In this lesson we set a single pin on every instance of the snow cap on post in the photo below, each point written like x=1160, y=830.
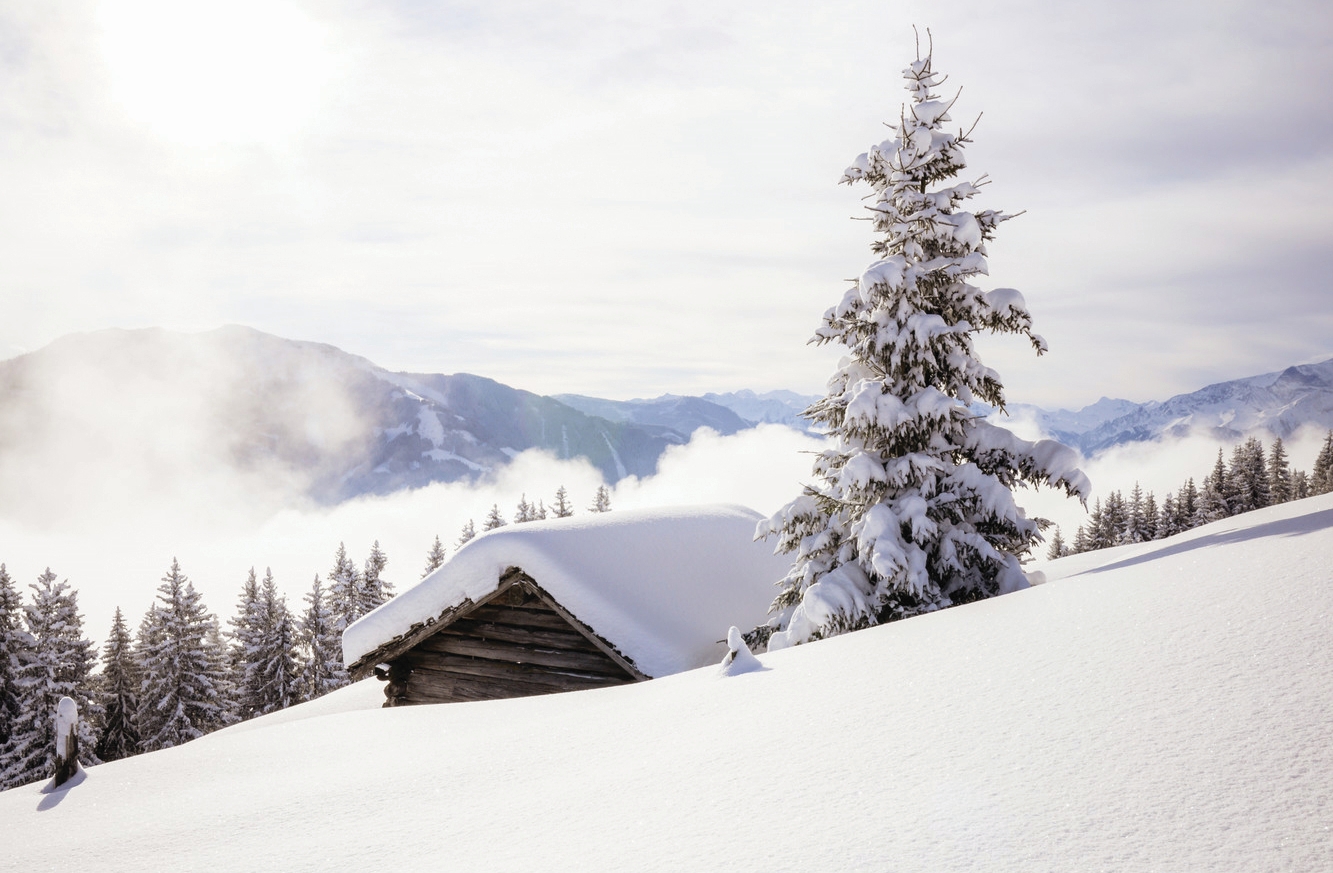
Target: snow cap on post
x=738, y=659
x=67, y=742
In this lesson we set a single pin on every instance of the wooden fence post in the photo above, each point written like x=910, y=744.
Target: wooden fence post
x=67, y=741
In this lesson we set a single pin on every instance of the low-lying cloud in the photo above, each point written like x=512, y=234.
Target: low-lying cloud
x=119, y=560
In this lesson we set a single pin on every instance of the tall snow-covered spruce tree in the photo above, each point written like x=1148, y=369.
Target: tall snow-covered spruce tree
x=912, y=508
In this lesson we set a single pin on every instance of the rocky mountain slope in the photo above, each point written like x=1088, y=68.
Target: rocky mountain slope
x=1276, y=404
x=330, y=425
x=333, y=424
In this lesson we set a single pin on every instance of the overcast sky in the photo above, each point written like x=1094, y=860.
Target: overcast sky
x=629, y=199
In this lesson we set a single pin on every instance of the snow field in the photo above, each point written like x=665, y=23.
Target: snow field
x=1162, y=706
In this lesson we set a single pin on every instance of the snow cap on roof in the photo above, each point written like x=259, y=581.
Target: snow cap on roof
x=660, y=585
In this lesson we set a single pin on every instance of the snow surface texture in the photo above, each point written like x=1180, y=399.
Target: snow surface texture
x=661, y=585
x=1162, y=706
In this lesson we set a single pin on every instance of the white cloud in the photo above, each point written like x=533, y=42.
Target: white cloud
x=115, y=552
x=649, y=193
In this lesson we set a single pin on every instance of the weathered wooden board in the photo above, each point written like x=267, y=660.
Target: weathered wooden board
x=521, y=636
x=517, y=654
x=459, y=664
x=514, y=643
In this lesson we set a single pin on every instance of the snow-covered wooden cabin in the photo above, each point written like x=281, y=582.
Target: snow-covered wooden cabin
x=569, y=604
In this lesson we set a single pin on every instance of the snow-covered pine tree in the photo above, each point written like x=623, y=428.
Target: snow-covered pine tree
x=493, y=519
x=1300, y=485
x=374, y=588
x=344, y=594
x=1247, y=478
x=1097, y=530
x=469, y=533
x=601, y=502
x=1212, y=503
x=14, y=641
x=182, y=696
x=539, y=511
x=913, y=509
x=1150, y=516
x=1166, y=518
x=1187, y=505
x=247, y=634
x=323, y=670
x=1279, y=472
x=1115, y=515
x=1321, y=474
x=118, y=688
x=524, y=511
x=218, y=656
x=1134, y=517
x=434, y=558
x=275, y=659
x=562, y=508
x=1081, y=542
x=1057, y=548
x=59, y=664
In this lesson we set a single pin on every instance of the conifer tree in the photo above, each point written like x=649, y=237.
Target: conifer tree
x=1097, y=538
x=1149, y=523
x=1212, y=504
x=912, y=508
x=58, y=664
x=601, y=502
x=118, y=686
x=494, y=519
x=1279, y=473
x=469, y=533
x=323, y=670
x=539, y=511
x=247, y=635
x=1300, y=485
x=1187, y=505
x=1115, y=515
x=344, y=594
x=1057, y=548
x=1166, y=518
x=1247, y=478
x=14, y=644
x=524, y=513
x=1134, y=517
x=374, y=588
x=275, y=660
x=562, y=508
x=1321, y=474
x=183, y=692
x=434, y=558
x=218, y=657
x=1081, y=543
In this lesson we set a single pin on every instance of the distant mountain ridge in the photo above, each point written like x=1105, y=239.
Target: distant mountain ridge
x=237, y=398
x=724, y=413
x=116, y=404
x=1277, y=404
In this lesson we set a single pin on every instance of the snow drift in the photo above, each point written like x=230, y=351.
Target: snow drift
x=1159, y=706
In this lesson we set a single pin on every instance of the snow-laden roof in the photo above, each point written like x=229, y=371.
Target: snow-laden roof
x=660, y=585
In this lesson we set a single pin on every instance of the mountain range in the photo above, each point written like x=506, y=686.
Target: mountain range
x=1276, y=404
x=309, y=412
x=339, y=426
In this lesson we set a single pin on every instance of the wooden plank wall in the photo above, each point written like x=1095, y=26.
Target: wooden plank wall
x=512, y=646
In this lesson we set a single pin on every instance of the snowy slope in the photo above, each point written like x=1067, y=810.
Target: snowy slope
x=1160, y=707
